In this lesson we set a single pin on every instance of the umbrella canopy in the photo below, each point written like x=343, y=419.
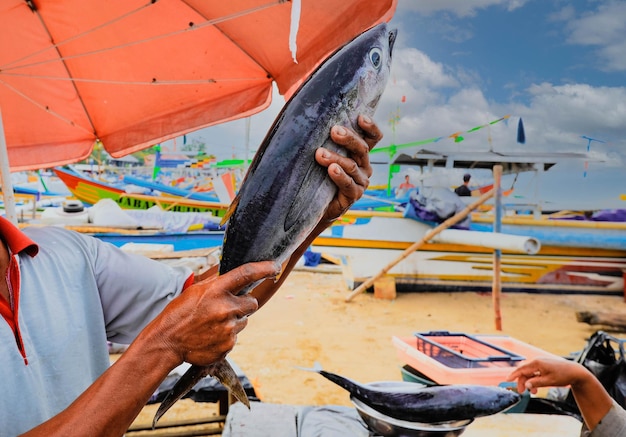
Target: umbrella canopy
x=134, y=73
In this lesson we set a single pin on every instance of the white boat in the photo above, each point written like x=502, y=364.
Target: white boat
x=573, y=256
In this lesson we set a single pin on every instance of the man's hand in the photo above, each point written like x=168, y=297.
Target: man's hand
x=351, y=173
x=201, y=325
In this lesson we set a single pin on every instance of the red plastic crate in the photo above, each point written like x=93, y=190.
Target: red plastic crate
x=459, y=350
x=490, y=373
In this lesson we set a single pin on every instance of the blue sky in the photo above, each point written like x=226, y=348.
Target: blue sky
x=559, y=65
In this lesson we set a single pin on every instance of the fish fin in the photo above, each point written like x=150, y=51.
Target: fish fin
x=230, y=210
x=180, y=389
x=225, y=374
x=222, y=371
x=317, y=367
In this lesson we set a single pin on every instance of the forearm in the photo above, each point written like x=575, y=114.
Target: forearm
x=592, y=399
x=111, y=403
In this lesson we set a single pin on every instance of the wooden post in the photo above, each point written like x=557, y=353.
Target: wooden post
x=413, y=247
x=497, y=253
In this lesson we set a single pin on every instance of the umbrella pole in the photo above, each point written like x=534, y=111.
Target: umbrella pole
x=5, y=172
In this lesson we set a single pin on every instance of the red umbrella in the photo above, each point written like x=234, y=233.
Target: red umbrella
x=134, y=73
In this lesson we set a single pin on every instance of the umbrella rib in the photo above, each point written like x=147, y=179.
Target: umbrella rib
x=192, y=27
x=129, y=82
x=46, y=108
x=72, y=38
x=82, y=104
x=241, y=14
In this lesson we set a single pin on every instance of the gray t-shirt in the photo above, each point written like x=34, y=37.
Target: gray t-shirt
x=611, y=425
x=76, y=293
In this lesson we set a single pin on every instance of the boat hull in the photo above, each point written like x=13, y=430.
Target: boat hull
x=368, y=242
x=90, y=192
x=179, y=241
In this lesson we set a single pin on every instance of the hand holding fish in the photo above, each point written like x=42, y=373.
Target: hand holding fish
x=351, y=174
x=201, y=325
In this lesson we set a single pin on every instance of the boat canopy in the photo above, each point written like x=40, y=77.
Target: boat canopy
x=510, y=162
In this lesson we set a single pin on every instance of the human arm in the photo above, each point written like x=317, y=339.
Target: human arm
x=351, y=175
x=592, y=399
x=199, y=327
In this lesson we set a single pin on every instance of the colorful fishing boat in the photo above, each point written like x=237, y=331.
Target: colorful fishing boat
x=157, y=239
x=575, y=256
x=90, y=191
x=369, y=241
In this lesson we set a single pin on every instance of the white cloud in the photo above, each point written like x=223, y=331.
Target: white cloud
x=581, y=109
x=566, y=13
x=604, y=28
x=460, y=8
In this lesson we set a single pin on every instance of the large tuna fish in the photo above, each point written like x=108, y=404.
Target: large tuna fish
x=286, y=192
x=435, y=404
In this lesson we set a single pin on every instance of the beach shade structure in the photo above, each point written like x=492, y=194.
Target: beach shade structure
x=134, y=73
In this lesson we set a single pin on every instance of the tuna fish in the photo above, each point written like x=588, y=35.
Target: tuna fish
x=286, y=192
x=435, y=404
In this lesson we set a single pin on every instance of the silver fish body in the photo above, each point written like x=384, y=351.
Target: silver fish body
x=435, y=404
x=286, y=192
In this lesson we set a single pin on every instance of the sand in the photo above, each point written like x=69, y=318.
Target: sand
x=308, y=321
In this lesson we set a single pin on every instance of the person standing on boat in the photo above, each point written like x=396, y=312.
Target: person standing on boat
x=404, y=187
x=602, y=415
x=463, y=190
x=65, y=294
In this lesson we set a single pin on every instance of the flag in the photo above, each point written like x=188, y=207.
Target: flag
x=521, y=136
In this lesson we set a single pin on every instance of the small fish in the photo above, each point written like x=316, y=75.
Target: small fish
x=434, y=404
x=286, y=192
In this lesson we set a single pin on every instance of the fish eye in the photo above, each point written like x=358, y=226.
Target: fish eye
x=376, y=57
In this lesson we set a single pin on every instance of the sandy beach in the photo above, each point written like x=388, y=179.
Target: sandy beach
x=308, y=321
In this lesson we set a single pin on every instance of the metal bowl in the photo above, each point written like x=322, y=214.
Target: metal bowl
x=390, y=427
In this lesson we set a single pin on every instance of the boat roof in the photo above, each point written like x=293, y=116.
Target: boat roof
x=511, y=162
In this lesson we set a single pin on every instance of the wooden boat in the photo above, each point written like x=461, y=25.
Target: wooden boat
x=90, y=191
x=177, y=241
x=369, y=241
x=171, y=191
x=575, y=256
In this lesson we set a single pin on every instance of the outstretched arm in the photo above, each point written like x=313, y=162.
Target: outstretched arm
x=592, y=399
x=199, y=327
x=351, y=175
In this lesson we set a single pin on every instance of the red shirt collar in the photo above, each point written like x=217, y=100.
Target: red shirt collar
x=15, y=239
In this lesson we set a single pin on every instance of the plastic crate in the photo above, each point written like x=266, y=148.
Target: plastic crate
x=494, y=373
x=459, y=350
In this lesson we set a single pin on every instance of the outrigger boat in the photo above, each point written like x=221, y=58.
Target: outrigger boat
x=575, y=256
x=90, y=191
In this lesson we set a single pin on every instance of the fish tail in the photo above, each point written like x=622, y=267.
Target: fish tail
x=225, y=374
x=180, y=389
x=221, y=370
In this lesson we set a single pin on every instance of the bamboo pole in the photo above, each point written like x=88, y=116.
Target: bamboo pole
x=430, y=234
x=496, y=288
